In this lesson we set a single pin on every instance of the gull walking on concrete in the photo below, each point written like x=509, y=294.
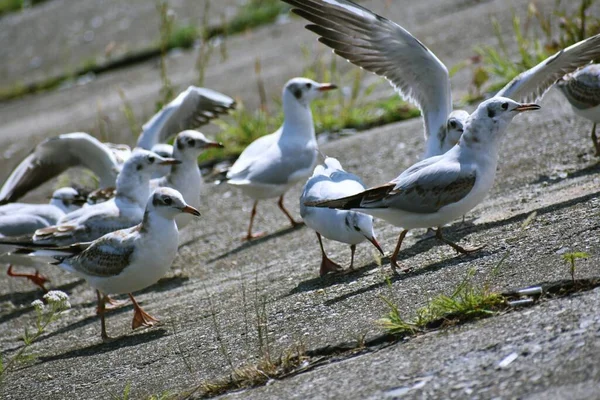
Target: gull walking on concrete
x=439, y=189
x=272, y=164
x=330, y=182
x=127, y=260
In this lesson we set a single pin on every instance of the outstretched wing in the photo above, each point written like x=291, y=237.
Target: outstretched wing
x=55, y=155
x=386, y=49
x=532, y=84
x=193, y=108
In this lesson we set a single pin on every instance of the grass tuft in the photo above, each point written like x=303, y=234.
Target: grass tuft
x=467, y=302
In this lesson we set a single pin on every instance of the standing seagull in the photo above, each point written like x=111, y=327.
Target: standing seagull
x=582, y=90
x=273, y=163
x=386, y=49
x=437, y=190
x=330, y=182
x=186, y=177
x=128, y=260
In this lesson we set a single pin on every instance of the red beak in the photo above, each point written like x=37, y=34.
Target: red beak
x=327, y=86
x=377, y=246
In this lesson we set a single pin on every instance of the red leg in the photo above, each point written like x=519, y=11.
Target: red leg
x=327, y=265
x=250, y=235
x=286, y=212
x=101, y=311
x=394, y=259
x=36, y=278
x=140, y=317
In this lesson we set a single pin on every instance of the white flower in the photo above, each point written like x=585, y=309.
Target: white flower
x=38, y=305
x=57, y=298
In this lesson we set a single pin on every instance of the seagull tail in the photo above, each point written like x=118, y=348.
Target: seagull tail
x=367, y=199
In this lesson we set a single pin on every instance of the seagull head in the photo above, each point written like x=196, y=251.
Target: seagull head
x=491, y=118
x=455, y=127
x=191, y=143
x=146, y=162
x=169, y=203
x=363, y=225
x=67, y=199
x=304, y=90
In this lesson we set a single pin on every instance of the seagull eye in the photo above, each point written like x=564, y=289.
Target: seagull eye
x=308, y=85
x=191, y=142
x=167, y=200
x=505, y=106
x=151, y=159
x=453, y=124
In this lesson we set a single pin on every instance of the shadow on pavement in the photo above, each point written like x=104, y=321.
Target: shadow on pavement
x=255, y=242
x=116, y=344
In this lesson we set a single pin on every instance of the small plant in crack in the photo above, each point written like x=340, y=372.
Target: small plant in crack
x=47, y=311
x=571, y=260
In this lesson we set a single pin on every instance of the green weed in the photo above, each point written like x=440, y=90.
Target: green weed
x=537, y=37
x=571, y=259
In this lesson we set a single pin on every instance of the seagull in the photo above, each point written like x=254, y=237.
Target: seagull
x=582, y=90
x=192, y=108
x=383, y=47
x=21, y=218
x=271, y=164
x=330, y=182
x=127, y=260
x=439, y=189
x=186, y=177
x=89, y=223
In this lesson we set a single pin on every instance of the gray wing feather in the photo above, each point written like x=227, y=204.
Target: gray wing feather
x=105, y=257
x=191, y=109
x=55, y=155
x=532, y=84
x=386, y=49
x=428, y=189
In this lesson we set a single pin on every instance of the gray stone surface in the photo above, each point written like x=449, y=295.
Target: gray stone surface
x=546, y=166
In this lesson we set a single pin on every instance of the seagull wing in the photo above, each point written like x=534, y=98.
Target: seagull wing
x=55, y=155
x=386, y=49
x=105, y=257
x=532, y=84
x=193, y=108
x=240, y=168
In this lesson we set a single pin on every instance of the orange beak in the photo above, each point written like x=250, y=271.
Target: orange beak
x=326, y=87
x=190, y=210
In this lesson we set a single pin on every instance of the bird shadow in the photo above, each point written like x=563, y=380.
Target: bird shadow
x=25, y=299
x=116, y=343
x=255, y=242
x=420, y=246
x=589, y=170
x=401, y=276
